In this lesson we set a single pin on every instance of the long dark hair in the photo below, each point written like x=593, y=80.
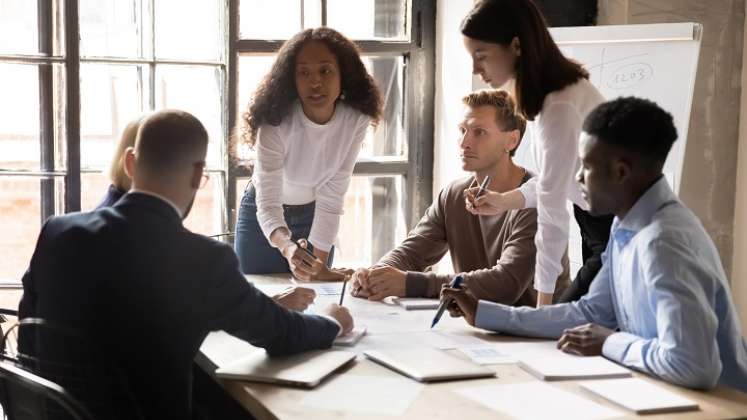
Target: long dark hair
x=541, y=68
x=277, y=92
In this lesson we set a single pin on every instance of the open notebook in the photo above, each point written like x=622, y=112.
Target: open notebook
x=639, y=396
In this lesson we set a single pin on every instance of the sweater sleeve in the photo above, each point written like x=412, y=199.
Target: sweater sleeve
x=330, y=195
x=268, y=180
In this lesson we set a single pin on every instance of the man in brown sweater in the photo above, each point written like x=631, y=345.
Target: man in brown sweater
x=494, y=254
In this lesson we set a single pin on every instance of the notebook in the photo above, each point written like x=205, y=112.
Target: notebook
x=639, y=396
x=305, y=370
x=428, y=365
x=559, y=366
x=412, y=304
x=351, y=338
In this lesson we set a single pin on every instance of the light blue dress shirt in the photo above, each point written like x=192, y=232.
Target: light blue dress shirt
x=663, y=286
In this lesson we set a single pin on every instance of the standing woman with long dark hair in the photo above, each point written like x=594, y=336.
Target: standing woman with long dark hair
x=508, y=41
x=307, y=121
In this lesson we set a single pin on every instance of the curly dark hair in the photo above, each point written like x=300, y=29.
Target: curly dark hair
x=277, y=92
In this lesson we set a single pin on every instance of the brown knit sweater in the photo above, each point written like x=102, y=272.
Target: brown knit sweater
x=494, y=254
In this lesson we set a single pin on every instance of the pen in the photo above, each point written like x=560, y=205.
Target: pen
x=483, y=186
x=342, y=295
x=311, y=254
x=455, y=284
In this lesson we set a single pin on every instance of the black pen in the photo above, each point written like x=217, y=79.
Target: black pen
x=483, y=186
x=342, y=295
x=311, y=254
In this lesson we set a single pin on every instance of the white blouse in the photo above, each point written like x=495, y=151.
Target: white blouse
x=300, y=161
x=555, y=140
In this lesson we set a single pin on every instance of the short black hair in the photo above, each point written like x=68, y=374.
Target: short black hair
x=634, y=124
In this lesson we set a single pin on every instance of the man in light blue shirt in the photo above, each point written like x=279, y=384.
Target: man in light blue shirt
x=661, y=303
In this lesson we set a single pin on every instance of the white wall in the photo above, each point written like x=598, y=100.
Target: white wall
x=453, y=81
x=739, y=272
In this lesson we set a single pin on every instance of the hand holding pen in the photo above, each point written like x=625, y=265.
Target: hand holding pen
x=455, y=284
x=460, y=302
x=302, y=262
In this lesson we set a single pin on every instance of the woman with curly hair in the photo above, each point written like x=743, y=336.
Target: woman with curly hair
x=306, y=122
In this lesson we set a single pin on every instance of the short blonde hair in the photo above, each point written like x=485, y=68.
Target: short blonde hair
x=116, y=169
x=508, y=117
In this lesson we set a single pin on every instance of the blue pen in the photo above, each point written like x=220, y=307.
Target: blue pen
x=455, y=284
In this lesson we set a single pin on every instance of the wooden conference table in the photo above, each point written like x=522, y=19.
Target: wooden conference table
x=366, y=390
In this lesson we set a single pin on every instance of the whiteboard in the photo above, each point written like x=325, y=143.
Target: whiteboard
x=655, y=61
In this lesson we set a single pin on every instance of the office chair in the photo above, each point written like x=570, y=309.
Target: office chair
x=25, y=396
x=65, y=356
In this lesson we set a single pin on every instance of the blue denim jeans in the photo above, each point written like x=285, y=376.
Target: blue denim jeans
x=256, y=255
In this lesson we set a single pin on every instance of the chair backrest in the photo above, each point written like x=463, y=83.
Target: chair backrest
x=25, y=396
x=8, y=318
x=66, y=357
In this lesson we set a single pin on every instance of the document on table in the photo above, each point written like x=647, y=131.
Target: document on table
x=351, y=338
x=442, y=340
x=487, y=354
x=367, y=395
x=321, y=289
x=536, y=401
x=639, y=396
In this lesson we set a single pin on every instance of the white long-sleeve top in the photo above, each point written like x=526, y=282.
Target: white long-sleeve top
x=300, y=161
x=555, y=140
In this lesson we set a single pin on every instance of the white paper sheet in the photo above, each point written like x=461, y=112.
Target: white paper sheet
x=487, y=355
x=361, y=394
x=536, y=401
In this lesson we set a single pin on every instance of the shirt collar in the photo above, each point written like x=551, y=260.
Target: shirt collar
x=160, y=197
x=640, y=215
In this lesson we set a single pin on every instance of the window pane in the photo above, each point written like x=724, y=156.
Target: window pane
x=93, y=188
x=388, y=139
x=269, y=19
x=19, y=131
x=18, y=27
x=189, y=29
x=369, y=19
x=20, y=222
x=251, y=71
x=373, y=222
x=111, y=97
x=207, y=210
x=195, y=89
x=113, y=28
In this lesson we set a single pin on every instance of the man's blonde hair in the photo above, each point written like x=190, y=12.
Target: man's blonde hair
x=116, y=170
x=508, y=117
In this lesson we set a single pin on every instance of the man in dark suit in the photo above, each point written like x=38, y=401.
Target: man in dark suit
x=147, y=290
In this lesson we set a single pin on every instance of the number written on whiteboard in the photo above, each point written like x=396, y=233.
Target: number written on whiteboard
x=630, y=75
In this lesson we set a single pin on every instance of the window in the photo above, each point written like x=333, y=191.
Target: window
x=391, y=186
x=73, y=73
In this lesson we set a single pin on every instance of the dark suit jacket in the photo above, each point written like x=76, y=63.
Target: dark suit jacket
x=113, y=194
x=148, y=291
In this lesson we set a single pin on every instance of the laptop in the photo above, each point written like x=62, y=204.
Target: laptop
x=305, y=370
x=429, y=365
